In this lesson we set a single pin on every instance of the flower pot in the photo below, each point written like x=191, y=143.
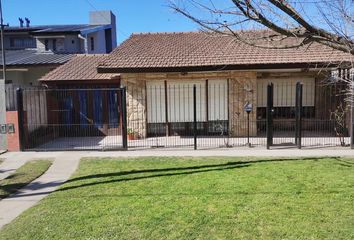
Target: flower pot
x=130, y=136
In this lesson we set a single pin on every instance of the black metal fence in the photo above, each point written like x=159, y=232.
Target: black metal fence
x=221, y=121
x=195, y=115
x=72, y=119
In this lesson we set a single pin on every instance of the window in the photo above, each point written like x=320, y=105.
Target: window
x=92, y=41
x=22, y=43
x=54, y=45
x=12, y=42
x=46, y=45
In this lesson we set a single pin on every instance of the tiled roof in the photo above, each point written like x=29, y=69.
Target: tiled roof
x=32, y=57
x=149, y=51
x=80, y=67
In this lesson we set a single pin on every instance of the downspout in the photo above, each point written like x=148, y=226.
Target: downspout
x=85, y=42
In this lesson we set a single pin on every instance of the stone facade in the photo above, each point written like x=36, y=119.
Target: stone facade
x=136, y=103
x=242, y=89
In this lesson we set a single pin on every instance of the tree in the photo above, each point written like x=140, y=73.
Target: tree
x=328, y=22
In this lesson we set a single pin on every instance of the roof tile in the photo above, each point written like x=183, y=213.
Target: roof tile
x=80, y=67
x=193, y=49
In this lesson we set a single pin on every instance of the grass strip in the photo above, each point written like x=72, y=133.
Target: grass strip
x=23, y=176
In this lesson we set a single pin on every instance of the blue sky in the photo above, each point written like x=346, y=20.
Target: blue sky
x=132, y=15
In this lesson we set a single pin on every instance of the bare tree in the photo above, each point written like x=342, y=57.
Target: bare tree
x=325, y=22
x=328, y=22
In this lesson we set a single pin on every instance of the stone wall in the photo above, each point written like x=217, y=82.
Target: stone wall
x=136, y=103
x=242, y=89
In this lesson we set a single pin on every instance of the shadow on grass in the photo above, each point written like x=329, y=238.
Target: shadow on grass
x=164, y=172
x=123, y=173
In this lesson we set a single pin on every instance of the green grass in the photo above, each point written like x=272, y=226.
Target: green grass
x=23, y=176
x=197, y=198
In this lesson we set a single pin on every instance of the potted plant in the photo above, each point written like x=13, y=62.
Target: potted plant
x=131, y=134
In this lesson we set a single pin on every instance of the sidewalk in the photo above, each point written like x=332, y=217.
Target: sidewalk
x=62, y=168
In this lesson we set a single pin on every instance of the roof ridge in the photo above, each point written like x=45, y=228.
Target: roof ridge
x=91, y=55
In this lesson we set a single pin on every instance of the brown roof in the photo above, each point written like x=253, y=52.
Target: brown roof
x=80, y=67
x=198, y=50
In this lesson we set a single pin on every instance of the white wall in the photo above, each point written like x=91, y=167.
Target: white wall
x=99, y=42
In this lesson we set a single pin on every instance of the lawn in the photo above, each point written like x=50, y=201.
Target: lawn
x=197, y=198
x=23, y=176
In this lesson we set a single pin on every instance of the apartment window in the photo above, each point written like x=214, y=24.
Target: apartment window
x=46, y=44
x=92, y=40
x=54, y=45
x=22, y=43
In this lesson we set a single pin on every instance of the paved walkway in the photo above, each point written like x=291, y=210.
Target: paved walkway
x=65, y=164
x=62, y=168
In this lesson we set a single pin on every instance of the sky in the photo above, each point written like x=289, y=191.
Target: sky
x=133, y=16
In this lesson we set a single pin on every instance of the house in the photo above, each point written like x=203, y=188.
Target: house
x=159, y=71
x=228, y=74
x=32, y=51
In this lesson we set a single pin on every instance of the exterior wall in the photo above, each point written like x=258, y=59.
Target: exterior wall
x=3, y=145
x=27, y=76
x=136, y=103
x=99, y=42
x=238, y=82
x=13, y=139
x=72, y=44
x=105, y=18
x=242, y=89
x=68, y=44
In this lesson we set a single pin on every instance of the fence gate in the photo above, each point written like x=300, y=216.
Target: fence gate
x=286, y=131
x=72, y=119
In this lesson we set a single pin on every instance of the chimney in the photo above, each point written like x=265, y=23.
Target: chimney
x=27, y=22
x=21, y=22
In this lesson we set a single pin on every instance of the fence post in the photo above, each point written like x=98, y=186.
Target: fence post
x=269, y=123
x=20, y=115
x=298, y=130
x=124, y=118
x=195, y=116
x=352, y=115
x=352, y=124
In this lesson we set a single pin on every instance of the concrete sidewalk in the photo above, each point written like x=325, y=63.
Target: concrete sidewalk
x=62, y=168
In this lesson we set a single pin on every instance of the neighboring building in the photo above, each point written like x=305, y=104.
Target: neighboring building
x=32, y=51
x=159, y=71
x=98, y=36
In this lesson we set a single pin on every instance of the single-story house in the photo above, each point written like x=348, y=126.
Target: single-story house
x=159, y=71
x=227, y=72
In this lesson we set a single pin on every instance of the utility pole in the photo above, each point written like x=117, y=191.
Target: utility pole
x=3, y=145
x=3, y=43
